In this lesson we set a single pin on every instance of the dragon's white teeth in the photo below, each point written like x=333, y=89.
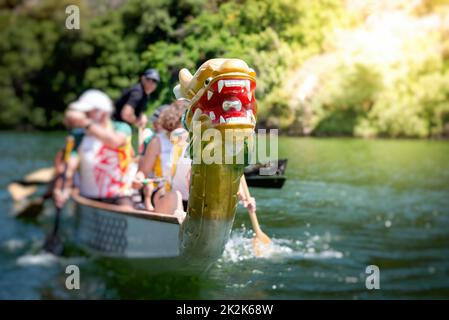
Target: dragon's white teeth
x=197, y=114
x=235, y=83
x=248, y=86
x=222, y=120
x=237, y=120
x=250, y=116
x=253, y=118
x=212, y=115
x=209, y=94
x=248, y=89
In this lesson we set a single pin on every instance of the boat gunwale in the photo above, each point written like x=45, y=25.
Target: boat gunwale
x=140, y=214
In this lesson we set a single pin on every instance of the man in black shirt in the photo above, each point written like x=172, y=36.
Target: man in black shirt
x=131, y=106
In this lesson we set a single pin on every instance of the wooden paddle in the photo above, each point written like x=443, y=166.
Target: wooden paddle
x=53, y=243
x=40, y=176
x=29, y=209
x=24, y=188
x=261, y=239
x=19, y=192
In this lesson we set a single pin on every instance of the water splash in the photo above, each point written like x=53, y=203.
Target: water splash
x=13, y=245
x=40, y=259
x=240, y=248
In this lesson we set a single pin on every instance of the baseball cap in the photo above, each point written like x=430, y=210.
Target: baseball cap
x=92, y=99
x=152, y=74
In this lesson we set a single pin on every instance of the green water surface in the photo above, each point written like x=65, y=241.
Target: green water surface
x=347, y=204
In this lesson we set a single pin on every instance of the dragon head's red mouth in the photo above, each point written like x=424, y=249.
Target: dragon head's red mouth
x=227, y=102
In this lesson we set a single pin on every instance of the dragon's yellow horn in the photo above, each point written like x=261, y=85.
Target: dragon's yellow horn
x=184, y=79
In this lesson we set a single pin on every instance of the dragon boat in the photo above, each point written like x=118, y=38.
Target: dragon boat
x=220, y=96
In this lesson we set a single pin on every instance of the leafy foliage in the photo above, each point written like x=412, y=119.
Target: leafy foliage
x=44, y=66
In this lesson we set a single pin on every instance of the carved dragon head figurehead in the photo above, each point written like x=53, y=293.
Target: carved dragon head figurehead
x=221, y=94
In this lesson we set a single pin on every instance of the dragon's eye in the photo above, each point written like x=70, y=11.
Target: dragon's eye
x=207, y=81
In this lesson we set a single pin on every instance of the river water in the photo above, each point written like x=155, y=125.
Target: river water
x=347, y=204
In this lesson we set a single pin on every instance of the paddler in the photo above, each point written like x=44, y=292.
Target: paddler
x=131, y=106
x=104, y=153
x=155, y=169
x=165, y=158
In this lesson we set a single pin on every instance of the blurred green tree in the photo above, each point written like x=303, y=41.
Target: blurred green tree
x=44, y=66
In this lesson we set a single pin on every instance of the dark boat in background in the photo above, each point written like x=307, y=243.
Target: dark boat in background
x=276, y=181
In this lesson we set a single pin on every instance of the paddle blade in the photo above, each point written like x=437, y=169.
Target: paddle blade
x=19, y=192
x=53, y=244
x=44, y=175
x=260, y=243
x=30, y=209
